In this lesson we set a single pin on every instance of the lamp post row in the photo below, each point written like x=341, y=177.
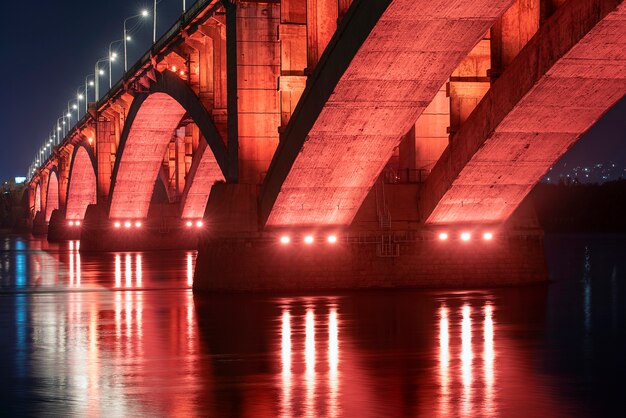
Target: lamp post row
x=62, y=127
x=55, y=138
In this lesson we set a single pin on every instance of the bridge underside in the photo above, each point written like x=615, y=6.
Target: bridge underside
x=204, y=173
x=82, y=186
x=142, y=155
x=52, y=195
x=567, y=76
x=360, y=103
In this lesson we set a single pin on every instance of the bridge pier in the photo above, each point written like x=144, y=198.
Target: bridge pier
x=59, y=228
x=234, y=254
x=40, y=226
x=160, y=231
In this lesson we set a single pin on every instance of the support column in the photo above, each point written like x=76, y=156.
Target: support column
x=106, y=148
x=293, y=56
x=321, y=25
x=514, y=29
x=257, y=71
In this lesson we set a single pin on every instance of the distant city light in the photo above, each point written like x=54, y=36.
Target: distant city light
x=20, y=180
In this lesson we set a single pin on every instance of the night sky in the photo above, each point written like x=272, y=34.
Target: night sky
x=48, y=47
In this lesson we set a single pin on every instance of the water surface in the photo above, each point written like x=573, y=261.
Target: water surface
x=121, y=334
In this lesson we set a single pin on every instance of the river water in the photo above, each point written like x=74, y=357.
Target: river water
x=121, y=334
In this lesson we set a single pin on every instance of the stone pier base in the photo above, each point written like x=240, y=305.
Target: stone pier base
x=59, y=228
x=40, y=226
x=406, y=260
x=98, y=233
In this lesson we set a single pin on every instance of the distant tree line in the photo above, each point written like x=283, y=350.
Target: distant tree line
x=13, y=211
x=575, y=206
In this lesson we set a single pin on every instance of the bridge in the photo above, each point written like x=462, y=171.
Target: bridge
x=338, y=143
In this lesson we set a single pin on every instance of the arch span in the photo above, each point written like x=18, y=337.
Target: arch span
x=82, y=182
x=151, y=121
x=204, y=172
x=52, y=193
x=37, y=204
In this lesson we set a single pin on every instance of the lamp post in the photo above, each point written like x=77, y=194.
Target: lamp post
x=154, y=15
x=79, y=97
x=70, y=107
x=98, y=72
x=126, y=36
x=88, y=83
x=60, y=128
x=112, y=57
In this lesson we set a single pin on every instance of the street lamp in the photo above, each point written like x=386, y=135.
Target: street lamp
x=112, y=57
x=79, y=97
x=88, y=83
x=70, y=107
x=98, y=72
x=60, y=128
x=126, y=36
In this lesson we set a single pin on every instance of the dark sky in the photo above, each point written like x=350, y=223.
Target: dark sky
x=48, y=47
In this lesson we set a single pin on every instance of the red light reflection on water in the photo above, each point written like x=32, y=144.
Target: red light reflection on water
x=313, y=385
x=468, y=392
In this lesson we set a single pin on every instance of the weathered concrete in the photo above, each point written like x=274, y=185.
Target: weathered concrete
x=568, y=75
x=263, y=264
x=204, y=172
x=143, y=152
x=382, y=68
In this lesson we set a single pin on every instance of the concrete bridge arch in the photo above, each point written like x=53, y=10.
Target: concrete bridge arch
x=82, y=181
x=37, y=200
x=52, y=193
x=152, y=118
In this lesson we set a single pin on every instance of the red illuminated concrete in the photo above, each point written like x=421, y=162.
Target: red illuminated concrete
x=568, y=75
x=37, y=206
x=202, y=175
x=82, y=185
x=52, y=194
x=264, y=264
x=142, y=155
x=380, y=71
